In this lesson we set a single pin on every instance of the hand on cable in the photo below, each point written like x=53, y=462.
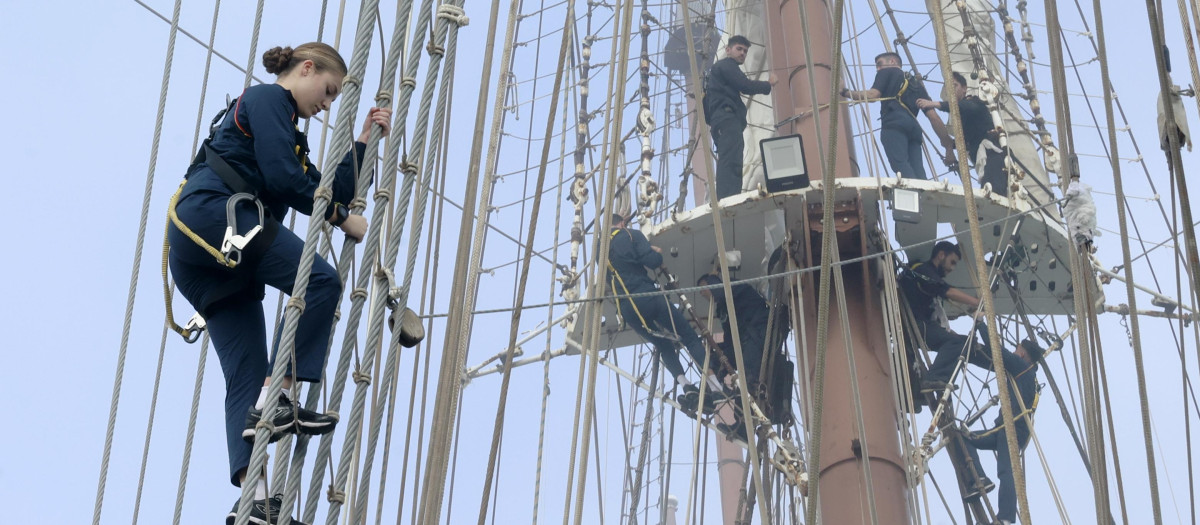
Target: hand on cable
x=355, y=227
x=380, y=116
x=925, y=103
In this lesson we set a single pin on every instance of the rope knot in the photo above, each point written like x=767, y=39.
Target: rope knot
x=297, y=303
x=335, y=496
x=323, y=193
x=358, y=203
x=359, y=293
x=409, y=82
x=265, y=424
x=453, y=14
x=384, y=97
x=409, y=168
x=383, y=193
x=353, y=80
x=361, y=379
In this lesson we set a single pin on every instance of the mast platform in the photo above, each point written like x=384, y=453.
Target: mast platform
x=1031, y=243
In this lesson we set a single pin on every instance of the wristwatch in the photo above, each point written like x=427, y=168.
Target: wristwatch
x=340, y=214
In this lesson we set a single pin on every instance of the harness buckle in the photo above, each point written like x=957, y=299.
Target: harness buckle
x=233, y=244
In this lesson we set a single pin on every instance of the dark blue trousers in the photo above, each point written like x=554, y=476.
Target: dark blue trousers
x=901, y=137
x=660, y=315
x=1006, y=502
x=949, y=346
x=728, y=135
x=237, y=324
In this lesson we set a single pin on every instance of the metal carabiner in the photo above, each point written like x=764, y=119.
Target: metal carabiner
x=193, y=328
x=233, y=244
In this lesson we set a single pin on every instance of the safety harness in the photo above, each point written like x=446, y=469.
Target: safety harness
x=615, y=279
x=236, y=249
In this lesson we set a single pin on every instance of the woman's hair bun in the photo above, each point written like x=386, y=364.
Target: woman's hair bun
x=276, y=59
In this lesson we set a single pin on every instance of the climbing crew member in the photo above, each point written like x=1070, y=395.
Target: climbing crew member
x=1022, y=367
x=924, y=286
x=899, y=130
x=979, y=133
x=752, y=315
x=726, y=113
x=258, y=153
x=653, y=317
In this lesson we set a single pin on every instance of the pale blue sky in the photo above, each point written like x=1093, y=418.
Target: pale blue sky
x=82, y=86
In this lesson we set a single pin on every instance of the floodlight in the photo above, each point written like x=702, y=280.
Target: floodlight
x=906, y=205
x=783, y=163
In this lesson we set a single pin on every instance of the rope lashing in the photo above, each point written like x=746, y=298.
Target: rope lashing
x=335, y=496
x=409, y=167
x=384, y=97
x=454, y=14
x=323, y=193
x=361, y=378
x=408, y=82
x=297, y=303
x=359, y=293
x=383, y=194
x=352, y=80
x=358, y=203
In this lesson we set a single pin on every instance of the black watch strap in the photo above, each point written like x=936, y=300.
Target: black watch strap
x=340, y=214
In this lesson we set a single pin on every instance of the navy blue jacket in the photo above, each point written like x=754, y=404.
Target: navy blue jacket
x=976, y=122
x=922, y=284
x=1025, y=376
x=261, y=141
x=629, y=253
x=752, y=311
x=724, y=87
x=889, y=81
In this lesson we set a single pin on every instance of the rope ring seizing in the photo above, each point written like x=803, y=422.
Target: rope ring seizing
x=297, y=303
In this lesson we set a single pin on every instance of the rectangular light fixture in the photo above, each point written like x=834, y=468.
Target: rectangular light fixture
x=906, y=205
x=784, y=167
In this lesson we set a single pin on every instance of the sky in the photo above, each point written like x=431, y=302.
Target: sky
x=83, y=84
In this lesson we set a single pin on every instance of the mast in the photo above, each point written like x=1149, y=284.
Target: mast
x=802, y=55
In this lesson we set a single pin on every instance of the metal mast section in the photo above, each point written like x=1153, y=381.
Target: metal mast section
x=853, y=475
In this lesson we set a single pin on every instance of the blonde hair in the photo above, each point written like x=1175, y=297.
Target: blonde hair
x=280, y=60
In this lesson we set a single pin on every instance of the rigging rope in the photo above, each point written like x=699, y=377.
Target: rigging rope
x=135, y=271
x=321, y=201
x=525, y=265
x=981, y=271
x=457, y=325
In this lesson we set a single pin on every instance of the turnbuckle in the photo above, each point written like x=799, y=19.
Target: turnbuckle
x=233, y=244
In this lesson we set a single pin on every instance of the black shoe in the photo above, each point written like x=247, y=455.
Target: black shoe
x=735, y=432
x=262, y=512
x=984, y=486
x=936, y=385
x=283, y=421
x=711, y=397
x=312, y=423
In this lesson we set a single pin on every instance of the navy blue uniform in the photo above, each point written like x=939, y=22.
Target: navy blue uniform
x=726, y=115
x=629, y=254
x=922, y=285
x=752, y=316
x=977, y=124
x=899, y=131
x=260, y=141
x=1024, y=375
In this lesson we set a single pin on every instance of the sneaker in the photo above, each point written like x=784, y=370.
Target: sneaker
x=262, y=512
x=735, y=432
x=312, y=423
x=984, y=486
x=936, y=385
x=283, y=420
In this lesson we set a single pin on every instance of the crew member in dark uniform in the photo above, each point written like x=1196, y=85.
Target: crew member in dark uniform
x=899, y=130
x=924, y=286
x=726, y=113
x=1022, y=367
x=979, y=134
x=752, y=316
x=258, y=153
x=653, y=317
